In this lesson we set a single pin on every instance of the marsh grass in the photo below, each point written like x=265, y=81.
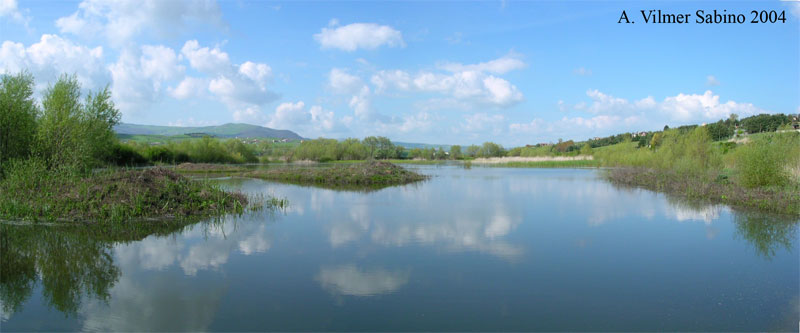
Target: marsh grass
x=781, y=200
x=30, y=192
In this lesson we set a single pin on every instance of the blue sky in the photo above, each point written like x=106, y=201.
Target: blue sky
x=437, y=72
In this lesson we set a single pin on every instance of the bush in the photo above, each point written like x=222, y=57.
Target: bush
x=124, y=155
x=766, y=161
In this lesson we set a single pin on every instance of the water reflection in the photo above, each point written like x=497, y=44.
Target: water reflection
x=767, y=233
x=350, y=280
x=67, y=263
x=494, y=248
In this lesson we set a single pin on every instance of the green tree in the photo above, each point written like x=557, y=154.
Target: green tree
x=586, y=149
x=455, y=152
x=18, y=112
x=371, y=143
x=100, y=117
x=472, y=151
x=61, y=136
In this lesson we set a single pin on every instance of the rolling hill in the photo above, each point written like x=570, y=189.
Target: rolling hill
x=224, y=131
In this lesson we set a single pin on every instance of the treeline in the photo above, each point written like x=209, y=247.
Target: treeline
x=372, y=147
x=723, y=129
x=65, y=132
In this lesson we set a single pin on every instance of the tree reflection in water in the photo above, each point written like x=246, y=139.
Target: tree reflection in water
x=767, y=233
x=69, y=263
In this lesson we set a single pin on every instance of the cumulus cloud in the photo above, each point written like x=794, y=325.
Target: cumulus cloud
x=340, y=81
x=472, y=88
x=139, y=75
x=711, y=81
x=688, y=107
x=119, y=21
x=355, y=36
x=54, y=55
x=299, y=118
x=189, y=87
x=242, y=88
x=502, y=65
x=205, y=59
x=612, y=115
x=10, y=9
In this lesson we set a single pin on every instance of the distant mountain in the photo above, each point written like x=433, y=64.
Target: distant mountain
x=225, y=131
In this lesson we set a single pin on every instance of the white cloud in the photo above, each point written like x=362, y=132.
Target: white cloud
x=204, y=59
x=10, y=9
x=795, y=8
x=258, y=73
x=711, y=81
x=289, y=114
x=473, y=88
x=420, y=121
x=52, y=56
x=358, y=36
x=606, y=103
x=242, y=88
x=189, y=87
x=391, y=79
x=707, y=107
x=535, y=126
x=611, y=115
x=344, y=83
x=295, y=116
x=139, y=74
x=500, y=65
x=322, y=117
x=119, y=21
x=481, y=122
x=462, y=86
x=362, y=104
x=582, y=71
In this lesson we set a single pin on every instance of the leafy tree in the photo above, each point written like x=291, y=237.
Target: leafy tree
x=61, y=139
x=491, y=149
x=372, y=143
x=18, y=112
x=455, y=152
x=472, y=151
x=586, y=149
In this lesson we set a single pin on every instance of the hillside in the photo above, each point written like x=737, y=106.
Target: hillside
x=224, y=131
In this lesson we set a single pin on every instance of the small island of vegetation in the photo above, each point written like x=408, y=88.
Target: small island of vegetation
x=367, y=175
x=57, y=163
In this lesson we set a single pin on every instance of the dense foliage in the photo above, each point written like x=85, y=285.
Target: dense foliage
x=49, y=152
x=64, y=133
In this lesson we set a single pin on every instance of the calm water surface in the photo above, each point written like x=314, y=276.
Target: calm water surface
x=478, y=249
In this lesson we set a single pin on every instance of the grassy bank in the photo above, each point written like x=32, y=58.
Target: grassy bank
x=781, y=200
x=32, y=193
x=364, y=175
x=763, y=173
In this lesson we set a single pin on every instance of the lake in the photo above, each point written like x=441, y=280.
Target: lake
x=480, y=249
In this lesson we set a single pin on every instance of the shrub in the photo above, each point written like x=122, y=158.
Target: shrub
x=124, y=155
x=766, y=161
